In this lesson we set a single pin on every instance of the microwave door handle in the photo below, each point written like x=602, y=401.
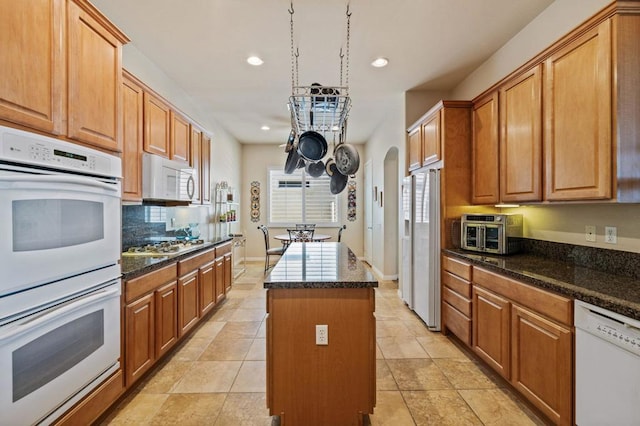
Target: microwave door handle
x=191, y=186
x=481, y=233
x=55, y=179
x=56, y=312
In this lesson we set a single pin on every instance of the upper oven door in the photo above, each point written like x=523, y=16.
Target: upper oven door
x=55, y=226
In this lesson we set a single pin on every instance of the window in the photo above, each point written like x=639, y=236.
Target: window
x=298, y=198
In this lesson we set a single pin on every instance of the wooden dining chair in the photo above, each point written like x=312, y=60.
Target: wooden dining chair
x=300, y=235
x=276, y=251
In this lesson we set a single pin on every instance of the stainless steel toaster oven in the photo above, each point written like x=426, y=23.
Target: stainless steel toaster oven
x=492, y=233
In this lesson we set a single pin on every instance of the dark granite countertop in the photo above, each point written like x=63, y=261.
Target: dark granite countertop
x=319, y=265
x=617, y=293
x=135, y=266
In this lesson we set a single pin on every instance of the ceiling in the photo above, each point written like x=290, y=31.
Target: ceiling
x=202, y=45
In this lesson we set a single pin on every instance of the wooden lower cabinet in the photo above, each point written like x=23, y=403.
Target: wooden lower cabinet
x=313, y=385
x=207, y=282
x=491, y=329
x=140, y=337
x=456, y=299
x=541, y=363
x=188, y=309
x=166, y=305
x=228, y=272
x=525, y=334
x=219, y=278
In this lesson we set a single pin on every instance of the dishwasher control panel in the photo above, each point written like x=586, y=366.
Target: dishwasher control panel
x=615, y=328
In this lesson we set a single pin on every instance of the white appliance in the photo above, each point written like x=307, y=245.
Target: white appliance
x=166, y=180
x=607, y=367
x=406, y=279
x=423, y=289
x=60, y=290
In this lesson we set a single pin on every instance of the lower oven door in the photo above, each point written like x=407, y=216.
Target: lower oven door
x=55, y=226
x=51, y=359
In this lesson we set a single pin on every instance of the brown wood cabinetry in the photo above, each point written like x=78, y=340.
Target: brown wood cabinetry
x=224, y=251
x=431, y=142
x=78, y=57
x=520, y=105
x=456, y=298
x=306, y=383
x=157, y=125
x=525, y=333
x=94, y=64
x=188, y=309
x=132, y=136
x=180, y=141
x=31, y=32
x=150, y=320
x=219, y=277
x=205, y=172
x=578, y=140
x=207, y=281
x=491, y=338
x=414, y=151
x=485, y=151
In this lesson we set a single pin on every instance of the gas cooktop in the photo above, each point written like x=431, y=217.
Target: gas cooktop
x=163, y=248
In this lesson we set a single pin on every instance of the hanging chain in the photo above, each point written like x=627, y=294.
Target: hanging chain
x=348, y=37
x=294, y=54
x=341, y=57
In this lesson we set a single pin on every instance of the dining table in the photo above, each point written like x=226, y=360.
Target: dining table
x=284, y=238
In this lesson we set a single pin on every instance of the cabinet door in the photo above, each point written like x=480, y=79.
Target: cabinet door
x=139, y=338
x=219, y=278
x=205, y=175
x=166, y=304
x=207, y=287
x=542, y=363
x=228, y=272
x=132, y=108
x=491, y=329
x=521, y=138
x=431, y=139
x=94, y=64
x=188, y=309
x=180, y=138
x=485, y=151
x=156, y=125
x=31, y=32
x=195, y=161
x=414, y=140
x=577, y=94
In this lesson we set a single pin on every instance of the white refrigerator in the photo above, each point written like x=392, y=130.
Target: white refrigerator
x=421, y=237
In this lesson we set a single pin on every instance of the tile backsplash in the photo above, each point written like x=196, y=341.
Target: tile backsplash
x=144, y=224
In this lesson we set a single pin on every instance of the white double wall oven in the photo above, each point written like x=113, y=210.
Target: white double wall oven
x=60, y=221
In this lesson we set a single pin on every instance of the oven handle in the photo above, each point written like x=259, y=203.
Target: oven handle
x=54, y=179
x=57, y=311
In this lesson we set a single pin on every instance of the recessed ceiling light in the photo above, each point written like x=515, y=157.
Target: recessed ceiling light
x=255, y=61
x=380, y=62
x=265, y=128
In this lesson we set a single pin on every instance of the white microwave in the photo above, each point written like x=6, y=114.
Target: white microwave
x=166, y=180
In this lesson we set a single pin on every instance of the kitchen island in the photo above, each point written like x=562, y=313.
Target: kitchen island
x=318, y=375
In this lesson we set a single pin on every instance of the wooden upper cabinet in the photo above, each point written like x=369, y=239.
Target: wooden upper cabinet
x=205, y=177
x=578, y=113
x=156, y=125
x=180, y=137
x=414, y=153
x=195, y=161
x=521, y=137
x=132, y=135
x=431, y=141
x=485, y=151
x=94, y=64
x=30, y=31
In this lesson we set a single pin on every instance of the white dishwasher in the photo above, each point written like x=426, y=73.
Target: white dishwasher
x=607, y=367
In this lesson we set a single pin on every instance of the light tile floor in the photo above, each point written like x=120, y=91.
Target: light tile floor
x=217, y=376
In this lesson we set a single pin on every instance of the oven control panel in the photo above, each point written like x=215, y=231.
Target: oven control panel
x=18, y=146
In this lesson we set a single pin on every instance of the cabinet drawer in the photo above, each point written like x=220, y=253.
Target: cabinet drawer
x=138, y=286
x=454, y=299
x=556, y=307
x=223, y=249
x=457, y=267
x=194, y=262
x=457, y=284
x=457, y=323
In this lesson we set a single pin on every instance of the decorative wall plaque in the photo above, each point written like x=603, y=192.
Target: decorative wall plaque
x=351, y=196
x=255, y=201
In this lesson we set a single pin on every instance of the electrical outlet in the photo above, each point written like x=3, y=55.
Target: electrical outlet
x=322, y=334
x=590, y=233
x=611, y=234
